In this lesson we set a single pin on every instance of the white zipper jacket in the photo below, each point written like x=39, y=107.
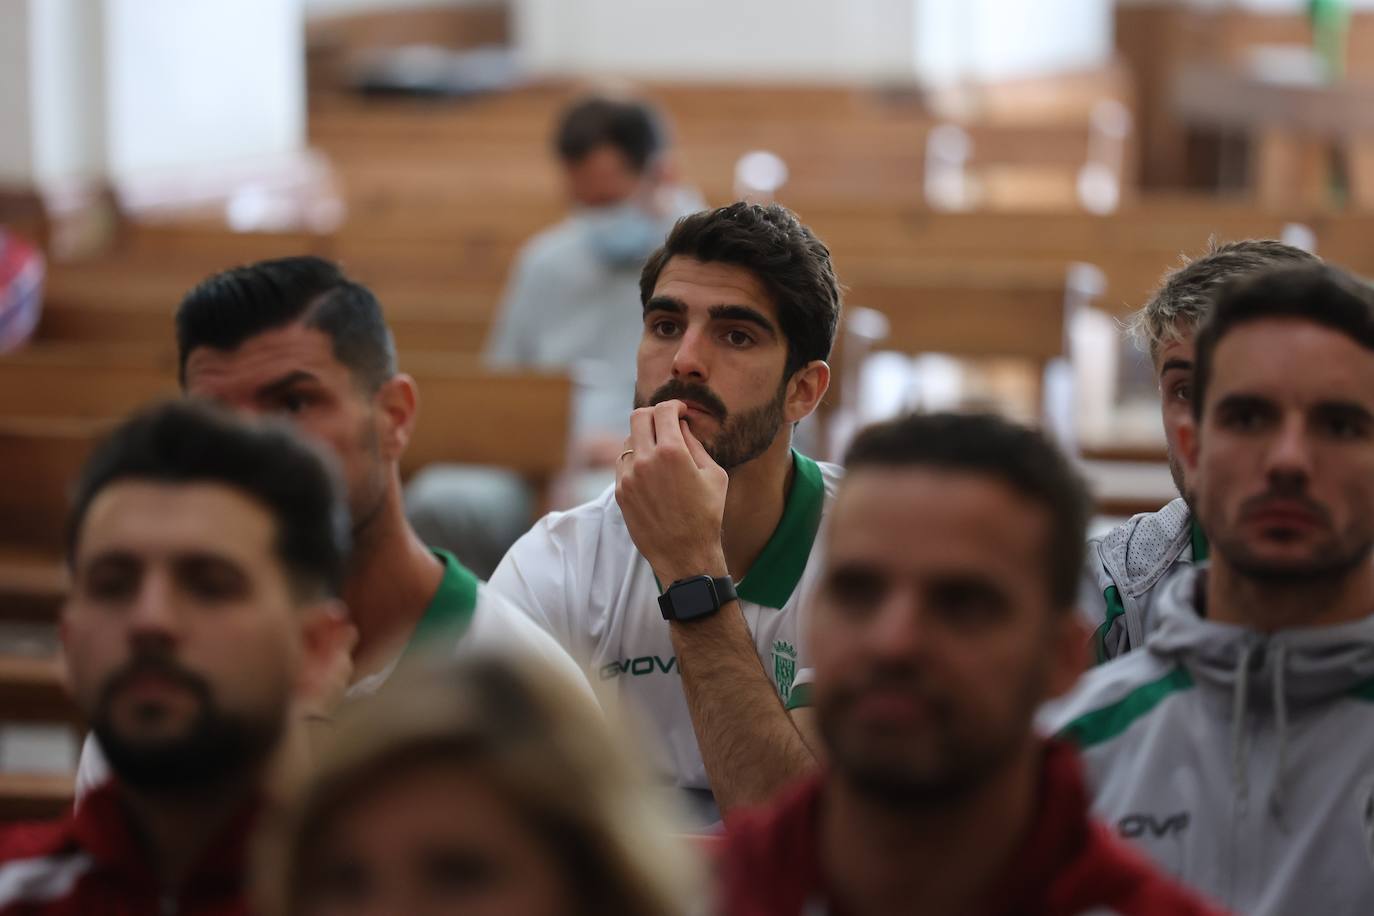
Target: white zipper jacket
x=1123, y=570
x=1243, y=763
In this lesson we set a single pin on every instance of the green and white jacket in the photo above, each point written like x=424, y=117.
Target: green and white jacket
x=1241, y=762
x=1123, y=570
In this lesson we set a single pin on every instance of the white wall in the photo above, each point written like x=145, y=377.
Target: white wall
x=815, y=40
x=16, y=139
x=340, y=7
x=717, y=39
x=66, y=40
x=189, y=84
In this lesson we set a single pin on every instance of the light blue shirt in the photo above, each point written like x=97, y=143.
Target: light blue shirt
x=566, y=309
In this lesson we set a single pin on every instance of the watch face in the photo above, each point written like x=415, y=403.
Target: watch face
x=694, y=598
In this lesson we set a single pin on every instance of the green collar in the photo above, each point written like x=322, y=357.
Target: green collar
x=450, y=611
x=779, y=568
x=1200, y=545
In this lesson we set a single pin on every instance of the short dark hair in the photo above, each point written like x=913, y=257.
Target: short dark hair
x=194, y=442
x=1185, y=295
x=985, y=444
x=633, y=127
x=230, y=307
x=771, y=243
x=1320, y=294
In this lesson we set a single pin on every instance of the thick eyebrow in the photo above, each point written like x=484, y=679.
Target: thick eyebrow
x=1176, y=363
x=1345, y=410
x=742, y=313
x=717, y=312
x=1247, y=401
x=285, y=383
x=665, y=304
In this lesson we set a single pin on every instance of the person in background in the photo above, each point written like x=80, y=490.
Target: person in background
x=1125, y=566
x=681, y=587
x=568, y=307
x=202, y=627
x=943, y=617
x=1236, y=747
x=482, y=788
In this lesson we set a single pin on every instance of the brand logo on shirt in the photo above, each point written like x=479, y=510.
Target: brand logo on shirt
x=784, y=667
x=639, y=667
x=1135, y=826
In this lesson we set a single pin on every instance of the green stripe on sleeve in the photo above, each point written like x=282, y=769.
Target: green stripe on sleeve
x=1106, y=723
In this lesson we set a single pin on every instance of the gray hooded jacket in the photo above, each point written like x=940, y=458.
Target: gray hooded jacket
x=1243, y=763
x=1123, y=569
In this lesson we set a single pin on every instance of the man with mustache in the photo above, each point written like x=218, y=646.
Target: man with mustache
x=206, y=557
x=1126, y=565
x=943, y=616
x=679, y=587
x=1236, y=747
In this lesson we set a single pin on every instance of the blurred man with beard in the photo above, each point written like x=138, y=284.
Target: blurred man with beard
x=206, y=559
x=1125, y=565
x=1236, y=747
x=943, y=617
x=679, y=587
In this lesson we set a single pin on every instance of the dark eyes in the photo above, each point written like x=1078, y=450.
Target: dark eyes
x=1182, y=392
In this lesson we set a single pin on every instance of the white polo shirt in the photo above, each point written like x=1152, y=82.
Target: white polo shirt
x=579, y=575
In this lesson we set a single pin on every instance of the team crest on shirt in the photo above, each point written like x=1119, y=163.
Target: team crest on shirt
x=784, y=667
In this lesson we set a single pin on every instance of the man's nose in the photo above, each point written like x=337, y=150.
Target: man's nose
x=691, y=362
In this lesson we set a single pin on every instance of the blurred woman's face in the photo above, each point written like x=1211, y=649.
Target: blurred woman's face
x=432, y=840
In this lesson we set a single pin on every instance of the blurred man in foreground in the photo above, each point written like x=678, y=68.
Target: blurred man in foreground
x=943, y=617
x=1236, y=747
x=1125, y=566
x=206, y=561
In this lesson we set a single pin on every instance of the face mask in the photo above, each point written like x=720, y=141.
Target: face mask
x=622, y=235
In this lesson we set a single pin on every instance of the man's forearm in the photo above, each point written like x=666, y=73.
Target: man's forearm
x=748, y=742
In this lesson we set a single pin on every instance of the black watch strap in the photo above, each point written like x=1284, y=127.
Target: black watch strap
x=696, y=597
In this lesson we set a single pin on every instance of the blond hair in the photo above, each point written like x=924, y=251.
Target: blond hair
x=541, y=743
x=1184, y=297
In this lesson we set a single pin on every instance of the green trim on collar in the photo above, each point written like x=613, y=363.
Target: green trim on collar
x=1201, y=548
x=450, y=611
x=1115, y=608
x=779, y=568
x=799, y=698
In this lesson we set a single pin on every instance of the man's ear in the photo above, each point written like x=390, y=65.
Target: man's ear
x=1071, y=649
x=397, y=403
x=805, y=389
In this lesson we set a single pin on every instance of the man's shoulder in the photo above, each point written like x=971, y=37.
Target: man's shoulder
x=498, y=627
x=1141, y=549
x=41, y=865
x=1112, y=697
x=593, y=527
x=553, y=247
x=770, y=861
x=1108, y=871
x=27, y=840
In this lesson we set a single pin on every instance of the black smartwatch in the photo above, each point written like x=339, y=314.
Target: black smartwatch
x=696, y=597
